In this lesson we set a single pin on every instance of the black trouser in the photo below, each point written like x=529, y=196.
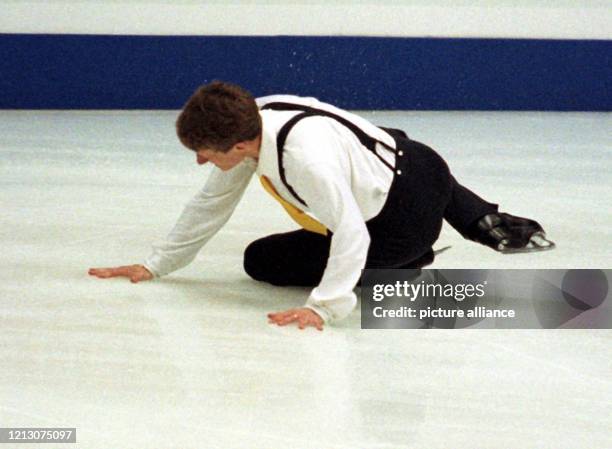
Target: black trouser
x=422, y=194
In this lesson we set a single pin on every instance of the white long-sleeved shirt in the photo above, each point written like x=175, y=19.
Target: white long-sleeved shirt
x=340, y=180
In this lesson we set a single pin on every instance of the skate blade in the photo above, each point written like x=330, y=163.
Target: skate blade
x=537, y=243
x=441, y=250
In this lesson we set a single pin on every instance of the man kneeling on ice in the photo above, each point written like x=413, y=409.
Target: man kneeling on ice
x=365, y=197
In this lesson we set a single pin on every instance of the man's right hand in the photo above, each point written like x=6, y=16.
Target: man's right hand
x=136, y=273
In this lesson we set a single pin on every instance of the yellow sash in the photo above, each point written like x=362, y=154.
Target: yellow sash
x=298, y=215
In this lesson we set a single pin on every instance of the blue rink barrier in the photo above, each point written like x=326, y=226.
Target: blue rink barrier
x=160, y=72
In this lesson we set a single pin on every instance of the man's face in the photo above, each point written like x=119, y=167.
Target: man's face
x=224, y=161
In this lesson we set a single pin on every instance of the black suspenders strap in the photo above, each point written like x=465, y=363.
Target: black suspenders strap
x=366, y=140
x=280, y=145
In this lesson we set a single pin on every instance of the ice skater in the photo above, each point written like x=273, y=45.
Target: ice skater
x=365, y=197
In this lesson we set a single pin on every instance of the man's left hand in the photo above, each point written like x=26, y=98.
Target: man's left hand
x=305, y=317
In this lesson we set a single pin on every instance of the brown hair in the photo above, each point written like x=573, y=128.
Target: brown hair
x=218, y=116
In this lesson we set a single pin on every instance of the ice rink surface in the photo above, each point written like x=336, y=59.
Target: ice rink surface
x=189, y=361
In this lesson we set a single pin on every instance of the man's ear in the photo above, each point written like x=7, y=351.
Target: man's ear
x=241, y=146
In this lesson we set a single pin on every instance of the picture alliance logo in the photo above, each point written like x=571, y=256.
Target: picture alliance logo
x=578, y=297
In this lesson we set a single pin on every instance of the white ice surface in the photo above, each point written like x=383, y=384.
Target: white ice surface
x=189, y=361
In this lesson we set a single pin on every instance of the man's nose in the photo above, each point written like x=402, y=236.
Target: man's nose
x=201, y=160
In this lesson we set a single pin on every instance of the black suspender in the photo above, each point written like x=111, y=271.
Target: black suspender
x=366, y=140
x=280, y=145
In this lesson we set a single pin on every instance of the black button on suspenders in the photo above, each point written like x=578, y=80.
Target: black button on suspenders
x=366, y=140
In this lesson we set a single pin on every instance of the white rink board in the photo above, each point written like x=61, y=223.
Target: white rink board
x=539, y=19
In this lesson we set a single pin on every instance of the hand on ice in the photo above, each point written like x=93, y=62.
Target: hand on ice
x=305, y=317
x=136, y=273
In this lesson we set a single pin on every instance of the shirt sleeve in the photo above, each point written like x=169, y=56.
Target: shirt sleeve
x=201, y=218
x=325, y=187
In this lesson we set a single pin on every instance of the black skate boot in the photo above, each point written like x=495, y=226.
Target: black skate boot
x=509, y=234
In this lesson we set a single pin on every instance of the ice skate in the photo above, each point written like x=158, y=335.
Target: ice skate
x=509, y=234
